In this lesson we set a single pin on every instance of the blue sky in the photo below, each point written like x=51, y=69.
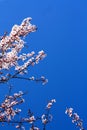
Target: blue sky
x=62, y=34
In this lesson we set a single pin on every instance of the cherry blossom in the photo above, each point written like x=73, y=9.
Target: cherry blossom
x=75, y=118
x=14, y=64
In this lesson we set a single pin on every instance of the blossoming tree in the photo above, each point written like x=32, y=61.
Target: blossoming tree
x=14, y=65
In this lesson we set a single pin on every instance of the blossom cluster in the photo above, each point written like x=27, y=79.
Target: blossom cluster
x=7, y=111
x=75, y=118
x=12, y=44
x=10, y=51
x=45, y=118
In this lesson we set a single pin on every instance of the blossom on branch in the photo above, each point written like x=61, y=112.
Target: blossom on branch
x=75, y=118
x=11, y=51
x=50, y=103
x=14, y=65
x=7, y=111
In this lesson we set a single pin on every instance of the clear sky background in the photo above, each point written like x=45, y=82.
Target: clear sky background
x=62, y=34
